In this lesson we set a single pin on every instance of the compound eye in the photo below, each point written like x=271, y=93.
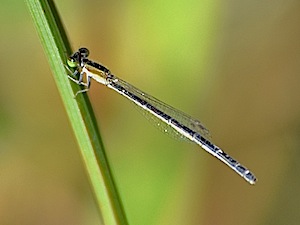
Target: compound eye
x=72, y=62
x=84, y=52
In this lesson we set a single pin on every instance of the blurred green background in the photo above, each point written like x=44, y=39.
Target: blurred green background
x=234, y=64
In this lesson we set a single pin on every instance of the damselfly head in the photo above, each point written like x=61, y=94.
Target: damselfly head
x=84, y=52
x=76, y=58
x=73, y=61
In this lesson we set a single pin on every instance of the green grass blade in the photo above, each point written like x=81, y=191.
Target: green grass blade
x=79, y=110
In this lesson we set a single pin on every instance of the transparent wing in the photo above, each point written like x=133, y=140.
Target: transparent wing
x=178, y=115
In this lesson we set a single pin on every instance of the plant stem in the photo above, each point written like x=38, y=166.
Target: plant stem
x=79, y=110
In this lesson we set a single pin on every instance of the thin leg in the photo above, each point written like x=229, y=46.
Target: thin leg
x=80, y=80
x=87, y=84
x=77, y=81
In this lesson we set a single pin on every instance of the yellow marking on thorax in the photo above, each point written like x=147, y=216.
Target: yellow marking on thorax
x=96, y=74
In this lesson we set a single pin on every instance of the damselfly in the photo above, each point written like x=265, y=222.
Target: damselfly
x=179, y=122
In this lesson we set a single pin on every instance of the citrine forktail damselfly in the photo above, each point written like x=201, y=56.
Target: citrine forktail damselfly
x=175, y=121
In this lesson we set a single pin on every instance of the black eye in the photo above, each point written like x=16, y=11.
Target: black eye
x=84, y=52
